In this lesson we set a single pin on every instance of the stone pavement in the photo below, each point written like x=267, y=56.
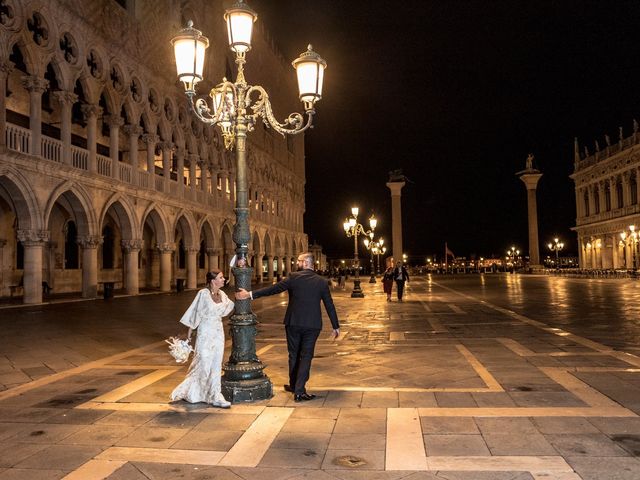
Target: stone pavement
x=446, y=385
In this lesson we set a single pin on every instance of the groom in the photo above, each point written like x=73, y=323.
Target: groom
x=303, y=320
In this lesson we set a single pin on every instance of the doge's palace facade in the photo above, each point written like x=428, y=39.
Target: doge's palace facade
x=105, y=176
x=607, y=192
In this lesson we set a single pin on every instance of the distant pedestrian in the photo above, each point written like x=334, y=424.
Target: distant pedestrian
x=387, y=282
x=401, y=276
x=202, y=383
x=302, y=320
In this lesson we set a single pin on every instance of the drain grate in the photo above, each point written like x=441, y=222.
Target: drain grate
x=349, y=461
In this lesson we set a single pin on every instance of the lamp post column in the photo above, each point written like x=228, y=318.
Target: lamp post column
x=243, y=379
x=357, y=290
x=396, y=218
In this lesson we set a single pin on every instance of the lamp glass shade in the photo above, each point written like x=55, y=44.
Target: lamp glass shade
x=373, y=222
x=366, y=242
x=354, y=211
x=240, y=20
x=310, y=71
x=189, y=47
x=346, y=225
x=352, y=222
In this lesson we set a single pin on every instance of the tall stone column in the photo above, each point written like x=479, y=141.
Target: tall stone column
x=66, y=101
x=91, y=113
x=396, y=218
x=203, y=175
x=192, y=267
x=530, y=177
x=131, y=249
x=36, y=87
x=114, y=122
x=166, y=250
x=270, y=268
x=133, y=131
x=89, y=245
x=193, y=161
x=33, y=242
x=287, y=265
x=257, y=265
x=166, y=147
x=6, y=67
x=280, y=266
x=180, y=169
x=150, y=140
x=214, y=255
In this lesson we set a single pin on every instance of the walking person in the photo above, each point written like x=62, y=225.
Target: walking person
x=387, y=281
x=401, y=276
x=202, y=383
x=302, y=320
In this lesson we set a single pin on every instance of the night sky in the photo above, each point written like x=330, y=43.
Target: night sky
x=457, y=93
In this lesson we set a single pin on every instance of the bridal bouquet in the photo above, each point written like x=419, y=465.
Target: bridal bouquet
x=179, y=349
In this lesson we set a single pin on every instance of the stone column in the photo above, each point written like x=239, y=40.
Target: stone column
x=133, y=131
x=66, y=101
x=270, y=268
x=114, y=122
x=257, y=265
x=150, y=140
x=131, y=249
x=36, y=87
x=287, y=265
x=33, y=242
x=396, y=218
x=213, y=258
x=626, y=188
x=166, y=250
x=530, y=178
x=166, y=162
x=192, y=267
x=203, y=176
x=280, y=266
x=91, y=112
x=89, y=245
x=180, y=169
x=193, y=160
x=6, y=67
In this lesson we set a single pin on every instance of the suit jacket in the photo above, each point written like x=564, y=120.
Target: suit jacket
x=306, y=289
x=405, y=274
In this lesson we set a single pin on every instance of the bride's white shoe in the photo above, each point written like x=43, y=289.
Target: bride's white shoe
x=219, y=401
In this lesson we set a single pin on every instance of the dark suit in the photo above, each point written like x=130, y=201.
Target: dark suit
x=303, y=320
x=400, y=275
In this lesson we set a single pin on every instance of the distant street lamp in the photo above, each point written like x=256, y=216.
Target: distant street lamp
x=377, y=252
x=556, y=246
x=373, y=246
x=236, y=108
x=352, y=229
x=513, y=254
x=631, y=239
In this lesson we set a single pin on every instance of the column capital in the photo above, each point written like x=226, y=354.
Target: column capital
x=65, y=98
x=2, y=243
x=89, y=241
x=166, y=247
x=214, y=251
x=166, y=145
x=395, y=187
x=113, y=120
x=131, y=245
x=34, y=83
x=6, y=67
x=91, y=110
x=150, y=138
x=193, y=158
x=33, y=237
x=132, y=130
x=192, y=250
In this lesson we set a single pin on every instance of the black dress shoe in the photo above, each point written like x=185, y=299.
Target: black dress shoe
x=303, y=397
x=287, y=388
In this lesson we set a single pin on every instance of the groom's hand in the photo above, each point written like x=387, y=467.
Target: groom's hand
x=242, y=294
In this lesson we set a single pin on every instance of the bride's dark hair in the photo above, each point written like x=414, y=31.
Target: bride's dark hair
x=212, y=274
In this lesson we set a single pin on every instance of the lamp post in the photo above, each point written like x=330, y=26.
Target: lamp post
x=377, y=252
x=513, y=255
x=236, y=108
x=352, y=228
x=631, y=239
x=556, y=246
x=373, y=246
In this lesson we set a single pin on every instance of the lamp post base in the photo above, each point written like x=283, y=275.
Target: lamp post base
x=357, y=290
x=373, y=278
x=238, y=391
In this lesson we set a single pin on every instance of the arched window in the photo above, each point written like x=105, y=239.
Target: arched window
x=108, y=247
x=19, y=248
x=596, y=200
x=633, y=186
x=619, y=194
x=70, y=246
x=607, y=197
x=586, y=203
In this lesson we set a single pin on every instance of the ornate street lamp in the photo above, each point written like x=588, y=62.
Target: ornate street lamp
x=513, y=254
x=373, y=247
x=352, y=228
x=556, y=246
x=236, y=107
x=631, y=239
x=377, y=252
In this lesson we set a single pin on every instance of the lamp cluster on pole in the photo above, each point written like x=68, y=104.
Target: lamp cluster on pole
x=631, y=242
x=513, y=255
x=352, y=229
x=376, y=248
x=236, y=107
x=556, y=246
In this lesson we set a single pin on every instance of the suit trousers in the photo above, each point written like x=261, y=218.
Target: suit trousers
x=301, y=342
x=400, y=285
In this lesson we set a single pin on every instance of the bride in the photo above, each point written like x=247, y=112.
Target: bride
x=202, y=383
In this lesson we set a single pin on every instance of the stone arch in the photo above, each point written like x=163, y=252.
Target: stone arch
x=206, y=230
x=158, y=220
x=256, y=243
x=187, y=223
x=22, y=198
x=227, y=245
x=268, y=244
x=124, y=214
x=78, y=202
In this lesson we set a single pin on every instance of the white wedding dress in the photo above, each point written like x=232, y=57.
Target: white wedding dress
x=202, y=383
